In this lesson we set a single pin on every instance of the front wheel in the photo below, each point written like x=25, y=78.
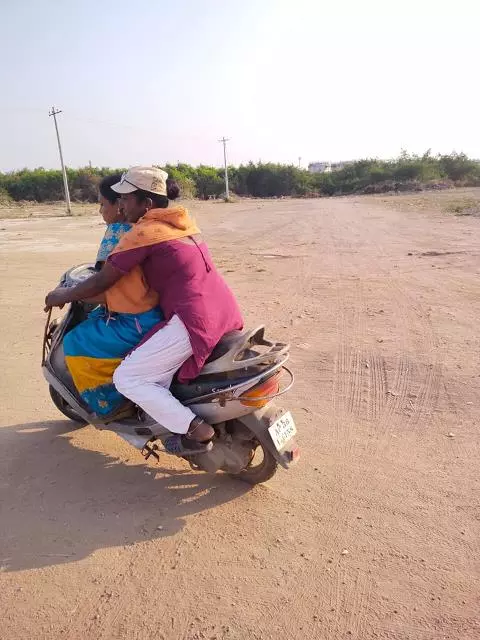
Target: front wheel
x=63, y=407
x=262, y=467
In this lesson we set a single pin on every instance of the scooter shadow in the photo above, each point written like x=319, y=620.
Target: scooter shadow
x=59, y=503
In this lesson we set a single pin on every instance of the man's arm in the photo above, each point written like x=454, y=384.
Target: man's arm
x=90, y=288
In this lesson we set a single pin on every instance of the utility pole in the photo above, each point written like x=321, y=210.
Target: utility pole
x=224, y=142
x=54, y=112
x=299, y=161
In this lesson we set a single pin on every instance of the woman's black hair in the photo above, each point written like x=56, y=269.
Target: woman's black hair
x=160, y=202
x=105, y=187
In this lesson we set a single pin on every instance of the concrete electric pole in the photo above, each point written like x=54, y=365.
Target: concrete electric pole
x=224, y=142
x=54, y=112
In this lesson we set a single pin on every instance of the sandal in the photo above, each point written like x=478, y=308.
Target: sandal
x=182, y=447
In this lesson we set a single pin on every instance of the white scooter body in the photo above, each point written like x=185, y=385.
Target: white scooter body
x=242, y=363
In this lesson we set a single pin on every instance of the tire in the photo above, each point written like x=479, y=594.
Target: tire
x=261, y=472
x=64, y=408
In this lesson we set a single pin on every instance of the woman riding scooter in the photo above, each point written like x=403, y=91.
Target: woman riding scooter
x=112, y=215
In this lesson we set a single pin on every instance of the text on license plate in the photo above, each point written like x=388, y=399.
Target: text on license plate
x=282, y=430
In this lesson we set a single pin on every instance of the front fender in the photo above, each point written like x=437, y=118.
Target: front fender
x=259, y=422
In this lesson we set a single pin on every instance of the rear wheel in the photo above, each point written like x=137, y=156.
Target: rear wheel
x=261, y=468
x=65, y=408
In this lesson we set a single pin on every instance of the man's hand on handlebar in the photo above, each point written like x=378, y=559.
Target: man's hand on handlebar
x=56, y=298
x=88, y=289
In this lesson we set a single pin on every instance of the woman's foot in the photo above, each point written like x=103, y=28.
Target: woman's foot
x=125, y=410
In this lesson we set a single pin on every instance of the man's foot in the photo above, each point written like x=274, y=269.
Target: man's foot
x=199, y=431
x=183, y=446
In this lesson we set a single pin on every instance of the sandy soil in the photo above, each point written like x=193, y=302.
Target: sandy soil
x=46, y=210
x=374, y=534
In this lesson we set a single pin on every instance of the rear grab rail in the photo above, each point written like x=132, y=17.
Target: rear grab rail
x=237, y=344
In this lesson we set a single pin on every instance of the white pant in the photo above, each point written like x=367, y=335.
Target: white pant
x=145, y=376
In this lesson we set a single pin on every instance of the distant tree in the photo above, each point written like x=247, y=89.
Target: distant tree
x=208, y=182
x=458, y=167
x=83, y=184
x=183, y=175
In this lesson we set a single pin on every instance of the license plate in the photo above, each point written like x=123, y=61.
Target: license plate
x=282, y=430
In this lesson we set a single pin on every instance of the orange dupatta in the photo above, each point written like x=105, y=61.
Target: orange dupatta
x=131, y=293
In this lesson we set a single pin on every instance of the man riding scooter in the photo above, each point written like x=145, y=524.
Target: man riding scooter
x=164, y=249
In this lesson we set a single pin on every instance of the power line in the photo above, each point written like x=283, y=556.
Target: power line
x=54, y=112
x=224, y=142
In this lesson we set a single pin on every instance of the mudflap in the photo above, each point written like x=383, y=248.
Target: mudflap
x=259, y=422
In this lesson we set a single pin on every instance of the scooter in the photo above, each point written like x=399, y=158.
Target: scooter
x=234, y=393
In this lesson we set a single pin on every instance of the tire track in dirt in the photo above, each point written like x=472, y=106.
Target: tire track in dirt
x=347, y=380
x=378, y=386
x=362, y=371
x=354, y=388
x=360, y=377
x=403, y=410
x=348, y=595
x=347, y=394
x=416, y=336
x=352, y=593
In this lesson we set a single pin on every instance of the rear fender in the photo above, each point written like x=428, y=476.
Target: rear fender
x=259, y=422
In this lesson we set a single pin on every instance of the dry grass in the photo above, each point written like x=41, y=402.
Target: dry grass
x=22, y=210
x=459, y=202
x=45, y=210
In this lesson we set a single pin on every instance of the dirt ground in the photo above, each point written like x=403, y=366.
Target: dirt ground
x=374, y=534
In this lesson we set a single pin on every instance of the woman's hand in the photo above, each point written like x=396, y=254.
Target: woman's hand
x=56, y=298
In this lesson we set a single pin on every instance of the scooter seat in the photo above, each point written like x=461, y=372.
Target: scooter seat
x=197, y=388
x=228, y=341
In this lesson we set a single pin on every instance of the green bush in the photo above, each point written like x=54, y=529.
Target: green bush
x=459, y=168
x=262, y=180
x=5, y=198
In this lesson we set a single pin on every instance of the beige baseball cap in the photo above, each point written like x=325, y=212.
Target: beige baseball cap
x=149, y=179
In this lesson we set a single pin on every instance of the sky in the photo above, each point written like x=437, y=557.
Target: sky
x=150, y=81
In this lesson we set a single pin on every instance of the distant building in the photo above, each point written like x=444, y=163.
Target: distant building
x=325, y=167
x=320, y=167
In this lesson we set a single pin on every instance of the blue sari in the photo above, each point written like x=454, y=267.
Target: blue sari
x=111, y=238
x=95, y=348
